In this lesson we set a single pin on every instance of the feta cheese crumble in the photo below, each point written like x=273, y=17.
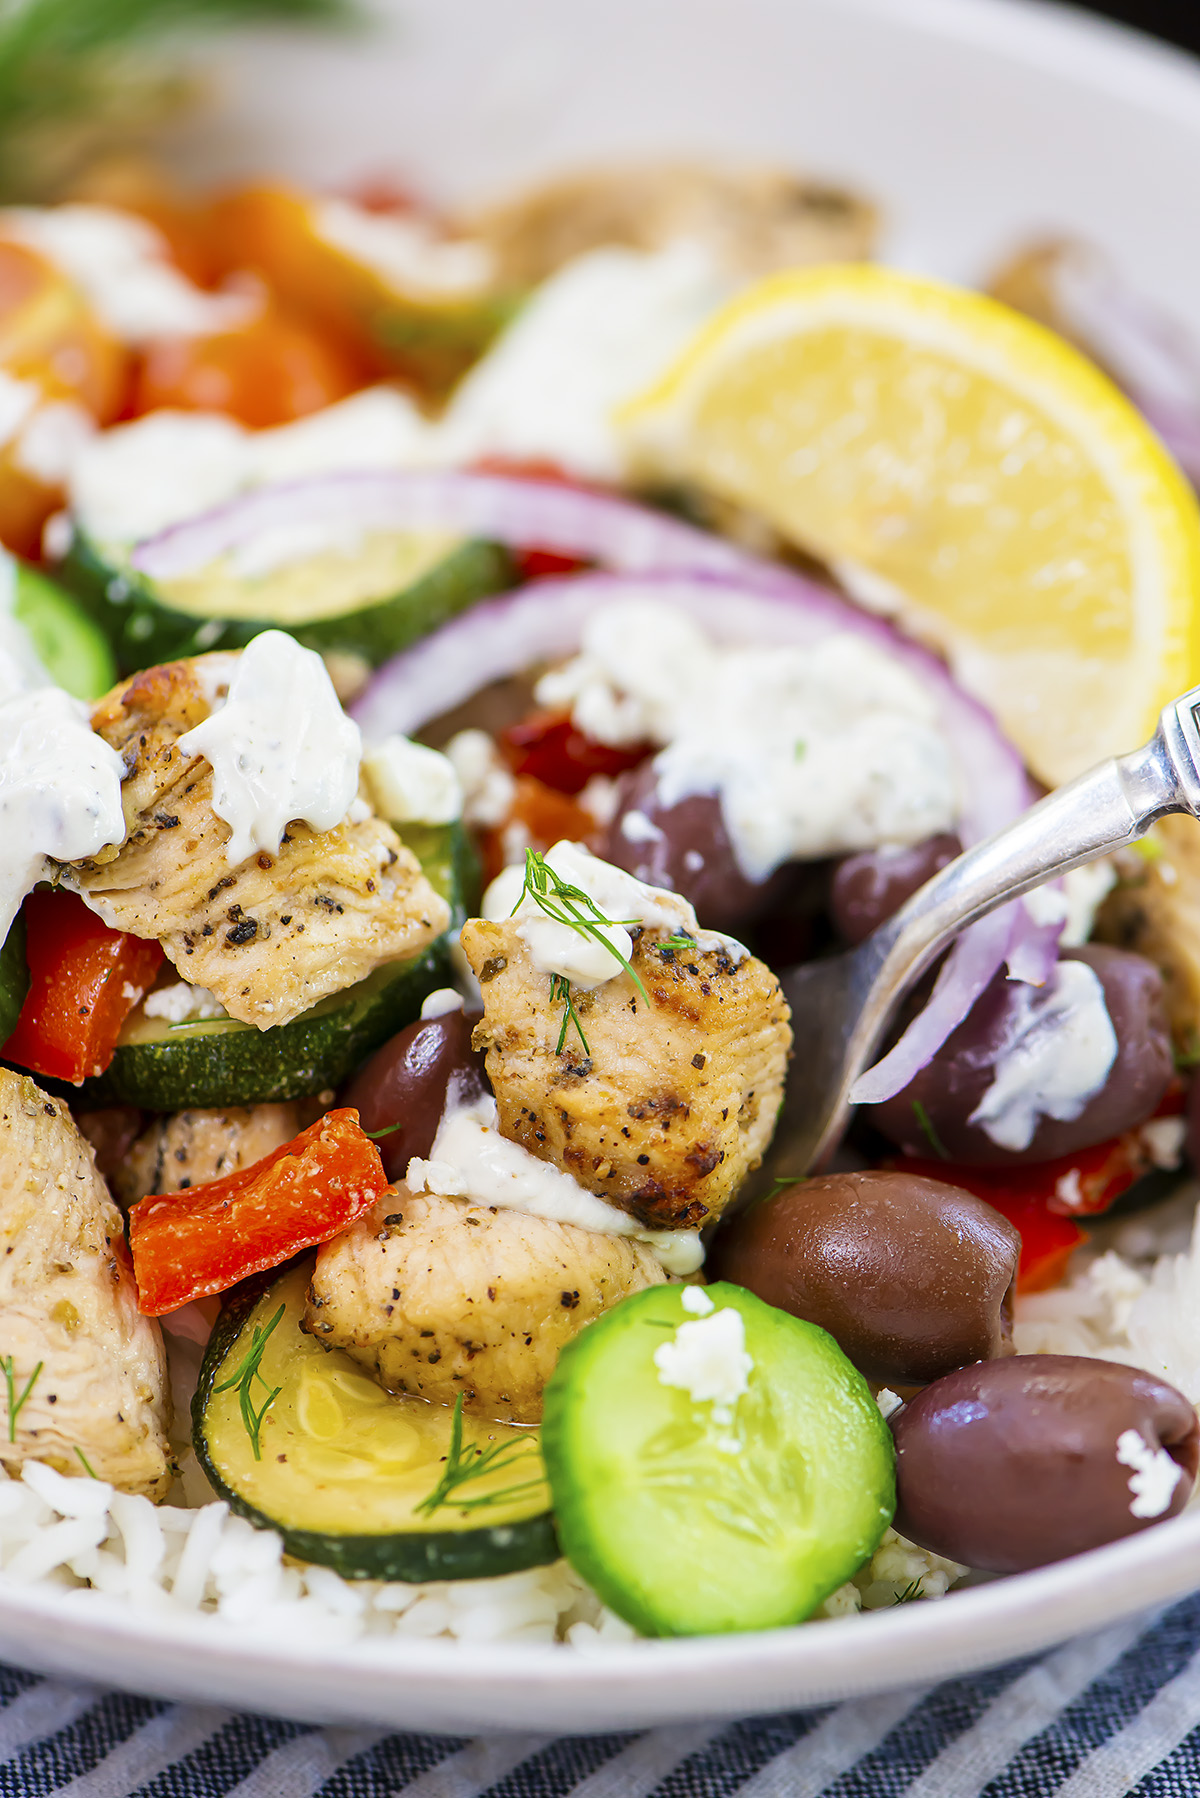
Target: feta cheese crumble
x=707, y=1359
x=1155, y=1475
x=182, y=1003
x=411, y=784
x=441, y=1003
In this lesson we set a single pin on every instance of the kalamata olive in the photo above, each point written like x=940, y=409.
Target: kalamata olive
x=410, y=1081
x=1010, y=1464
x=931, y=1116
x=911, y=1277
x=686, y=848
x=869, y=887
x=1192, y=1140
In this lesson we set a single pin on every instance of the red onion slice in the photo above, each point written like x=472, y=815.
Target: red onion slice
x=544, y=622
x=502, y=508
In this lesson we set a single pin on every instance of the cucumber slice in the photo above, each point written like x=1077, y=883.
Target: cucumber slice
x=218, y=1061
x=343, y=1466
x=69, y=645
x=393, y=588
x=689, y=1525
x=14, y=978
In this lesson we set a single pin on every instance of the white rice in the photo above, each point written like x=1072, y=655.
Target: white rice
x=1133, y=1295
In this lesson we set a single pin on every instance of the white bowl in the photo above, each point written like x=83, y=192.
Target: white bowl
x=974, y=122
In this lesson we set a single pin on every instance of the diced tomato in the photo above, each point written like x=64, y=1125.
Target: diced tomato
x=268, y=372
x=1022, y=1195
x=552, y=750
x=187, y=1245
x=539, y=564
x=543, y=817
x=535, y=563
x=84, y=980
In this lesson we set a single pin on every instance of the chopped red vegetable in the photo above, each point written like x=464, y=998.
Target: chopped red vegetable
x=84, y=980
x=550, y=748
x=543, y=817
x=189, y=1244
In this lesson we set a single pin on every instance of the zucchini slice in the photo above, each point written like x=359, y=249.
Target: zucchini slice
x=69, y=645
x=370, y=601
x=14, y=979
x=693, y=1518
x=218, y=1061
x=343, y=1467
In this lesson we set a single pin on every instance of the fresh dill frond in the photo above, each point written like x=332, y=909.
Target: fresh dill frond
x=570, y=905
x=244, y=1376
x=15, y=1403
x=87, y=1466
x=926, y=1123
x=914, y=1589
x=679, y=944
x=82, y=77
x=560, y=988
x=462, y=1468
x=388, y=1130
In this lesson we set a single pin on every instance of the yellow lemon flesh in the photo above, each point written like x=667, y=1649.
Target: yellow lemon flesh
x=965, y=468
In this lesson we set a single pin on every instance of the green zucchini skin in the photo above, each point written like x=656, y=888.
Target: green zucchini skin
x=222, y=1062
x=411, y=1556
x=14, y=978
x=144, y=629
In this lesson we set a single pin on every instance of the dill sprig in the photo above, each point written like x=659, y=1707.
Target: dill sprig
x=914, y=1589
x=560, y=988
x=570, y=905
x=81, y=76
x=926, y=1125
x=15, y=1403
x=244, y=1377
x=87, y=1466
x=679, y=944
x=461, y=1468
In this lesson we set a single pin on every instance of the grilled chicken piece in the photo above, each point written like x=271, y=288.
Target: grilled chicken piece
x=1155, y=909
x=68, y=1302
x=272, y=936
x=752, y=220
x=436, y=1297
x=187, y=1148
x=673, y=1104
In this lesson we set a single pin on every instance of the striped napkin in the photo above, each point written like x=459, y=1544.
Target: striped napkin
x=1109, y=1716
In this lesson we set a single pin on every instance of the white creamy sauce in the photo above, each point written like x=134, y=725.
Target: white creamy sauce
x=60, y=791
x=122, y=265
x=18, y=400
x=1154, y=1477
x=378, y=428
x=591, y=337
x=182, y=1003
x=471, y=1160
x=441, y=1003
x=404, y=250
x=707, y=1359
x=20, y=666
x=588, y=960
x=280, y=747
x=486, y=780
x=412, y=784
x=51, y=443
x=1085, y=890
x=813, y=751
x=1059, y=1052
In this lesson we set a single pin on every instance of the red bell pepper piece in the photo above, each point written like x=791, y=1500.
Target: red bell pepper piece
x=189, y=1244
x=84, y=980
x=550, y=748
x=1021, y=1194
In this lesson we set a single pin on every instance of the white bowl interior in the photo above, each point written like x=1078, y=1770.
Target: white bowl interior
x=974, y=122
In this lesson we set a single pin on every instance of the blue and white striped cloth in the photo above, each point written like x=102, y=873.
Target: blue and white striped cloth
x=1115, y=1715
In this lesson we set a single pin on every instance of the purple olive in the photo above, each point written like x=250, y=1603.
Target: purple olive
x=869, y=888
x=686, y=848
x=931, y=1116
x=1011, y=1464
x=411, y=1080
x=910, y=1277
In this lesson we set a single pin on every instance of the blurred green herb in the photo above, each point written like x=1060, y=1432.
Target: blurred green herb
x=926, y=1123
x=911, y=1591
x=15, y=1403
x=79, y=78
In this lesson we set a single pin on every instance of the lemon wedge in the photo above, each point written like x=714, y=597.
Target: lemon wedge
x=963, y=468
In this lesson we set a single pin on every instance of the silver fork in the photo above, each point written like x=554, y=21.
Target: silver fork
x=842, y=1006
